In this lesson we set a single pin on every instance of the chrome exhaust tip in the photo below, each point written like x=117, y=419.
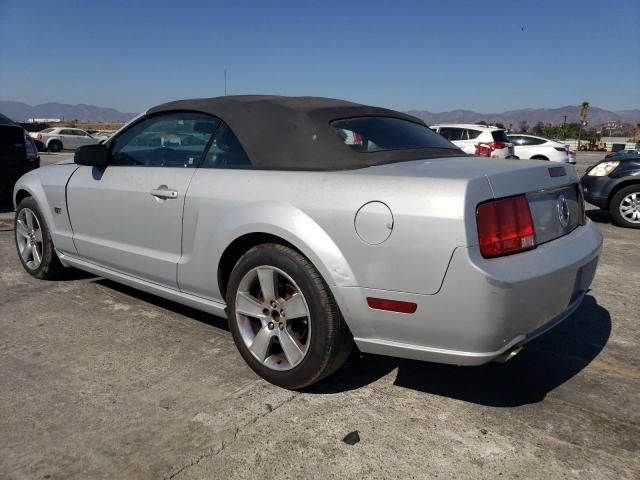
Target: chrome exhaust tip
x=509, y=354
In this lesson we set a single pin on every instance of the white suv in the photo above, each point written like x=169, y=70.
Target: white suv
x=538, y=148
x=477, y=139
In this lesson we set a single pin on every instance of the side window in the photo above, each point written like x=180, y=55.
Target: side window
x=473, y=133
x=452, y=133
x=66, y=132
x=226, y=151
x=165, y=140
x=535, y=141
x=80, y=133
x=515, y=139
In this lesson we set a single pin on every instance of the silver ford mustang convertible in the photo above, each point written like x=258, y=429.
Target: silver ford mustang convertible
x=313, y=224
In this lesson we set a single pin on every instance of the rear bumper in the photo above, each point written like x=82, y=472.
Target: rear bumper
x=484, y=307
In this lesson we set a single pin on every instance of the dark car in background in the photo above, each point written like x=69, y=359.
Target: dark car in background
x=623, y=153
x=613, y=184
x=18, y=154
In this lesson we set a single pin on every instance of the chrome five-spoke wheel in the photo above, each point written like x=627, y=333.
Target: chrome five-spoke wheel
x=29, y=238
x=273, y=317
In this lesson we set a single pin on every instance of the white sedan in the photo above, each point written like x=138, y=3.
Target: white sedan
x=56, y=139
x=539, y=148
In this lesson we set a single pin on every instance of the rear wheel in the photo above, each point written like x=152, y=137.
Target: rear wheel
x=284, y=319
x=33, y=242
x=625, y=207
x=539, y=157
x=55, y=145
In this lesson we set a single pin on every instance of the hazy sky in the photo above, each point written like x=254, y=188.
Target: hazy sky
x=433, y=55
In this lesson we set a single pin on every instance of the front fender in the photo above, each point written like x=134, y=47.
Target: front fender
x=47, y=185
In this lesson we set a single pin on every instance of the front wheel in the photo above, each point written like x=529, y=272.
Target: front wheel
x=625, y=207
x=284, y=319
x=33, y=242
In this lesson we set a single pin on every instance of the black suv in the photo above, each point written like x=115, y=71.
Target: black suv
x=614, y=184
x=18, y=154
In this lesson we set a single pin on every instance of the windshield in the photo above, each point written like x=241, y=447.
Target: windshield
x=378, y=134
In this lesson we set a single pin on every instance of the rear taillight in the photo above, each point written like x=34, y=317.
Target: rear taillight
x=486, y=149
x=505, y=226
x=560, y=149
x=39, y=136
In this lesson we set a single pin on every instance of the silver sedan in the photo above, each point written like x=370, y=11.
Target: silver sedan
x=315, y=225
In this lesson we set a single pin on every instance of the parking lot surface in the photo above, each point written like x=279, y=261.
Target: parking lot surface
x=100, y=381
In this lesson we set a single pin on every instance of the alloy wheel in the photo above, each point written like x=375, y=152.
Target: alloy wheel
x=29, y=238
x=273, y=318
x=630, y=208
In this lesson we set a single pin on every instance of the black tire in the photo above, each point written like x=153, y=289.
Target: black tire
x=614, y=206
x=330, y=340
x=50, y=266
x=55, y=146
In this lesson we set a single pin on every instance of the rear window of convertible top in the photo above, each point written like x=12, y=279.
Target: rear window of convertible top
x=379, y=134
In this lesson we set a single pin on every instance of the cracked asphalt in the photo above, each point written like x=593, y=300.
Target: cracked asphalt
x=100, y=381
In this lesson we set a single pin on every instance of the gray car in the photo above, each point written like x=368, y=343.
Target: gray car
x=315, y=224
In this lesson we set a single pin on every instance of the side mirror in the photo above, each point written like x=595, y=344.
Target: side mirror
x=92, y=155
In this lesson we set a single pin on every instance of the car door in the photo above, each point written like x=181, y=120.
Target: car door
x=458, y=137
x=524, y=147
x=68, y=139
x=128, y=216
x=83, y=138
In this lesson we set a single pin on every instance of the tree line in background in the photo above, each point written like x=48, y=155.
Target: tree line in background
x=561, y=132
x=566, y=130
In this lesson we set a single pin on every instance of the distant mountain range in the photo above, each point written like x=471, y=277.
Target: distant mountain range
x=19, y=111
x=597, y=116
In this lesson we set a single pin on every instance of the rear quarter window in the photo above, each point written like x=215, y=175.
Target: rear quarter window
x=378, y=134
x=500, y=136
x=473, y=133
x=451, y=133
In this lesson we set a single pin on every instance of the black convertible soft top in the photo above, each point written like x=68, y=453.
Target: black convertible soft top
x=294, y=133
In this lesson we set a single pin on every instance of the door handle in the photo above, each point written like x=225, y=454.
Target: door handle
x=163, y=192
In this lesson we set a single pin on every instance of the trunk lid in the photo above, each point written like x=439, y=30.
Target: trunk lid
x=552, y=191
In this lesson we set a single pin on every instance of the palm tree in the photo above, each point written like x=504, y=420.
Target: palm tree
x=584, y=111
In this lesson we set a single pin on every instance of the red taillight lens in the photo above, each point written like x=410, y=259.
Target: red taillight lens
x=39, y=136
x=498, y=145
x=560, y=149
x=505, y=226
x=391, y=305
